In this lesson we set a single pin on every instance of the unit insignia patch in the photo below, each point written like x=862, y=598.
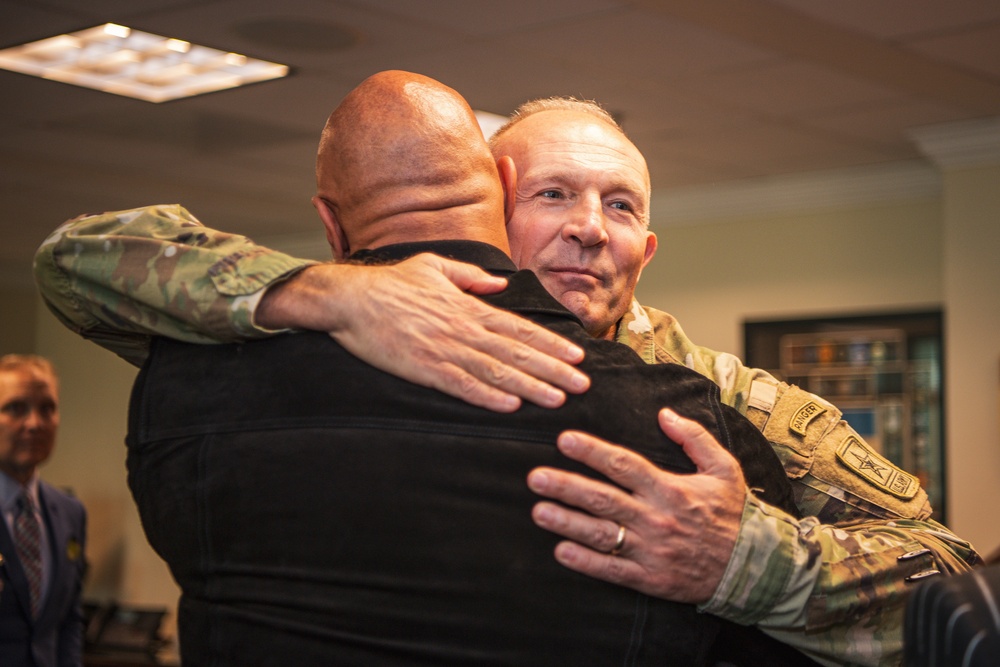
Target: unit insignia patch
x=801, y=417
x=875, y=469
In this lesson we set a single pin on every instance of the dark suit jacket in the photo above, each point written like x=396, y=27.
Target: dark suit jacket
x=55, y=638
x=317, y=511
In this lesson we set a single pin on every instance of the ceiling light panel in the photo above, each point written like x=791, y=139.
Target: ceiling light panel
x=116, y=59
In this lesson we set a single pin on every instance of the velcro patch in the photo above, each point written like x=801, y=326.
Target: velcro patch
x=801, y=417
x=762, y=396
x=875, y=469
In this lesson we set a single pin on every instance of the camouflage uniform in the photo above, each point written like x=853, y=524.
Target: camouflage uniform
x=832, y=584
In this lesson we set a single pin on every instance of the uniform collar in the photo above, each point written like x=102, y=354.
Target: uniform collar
x=636, y=331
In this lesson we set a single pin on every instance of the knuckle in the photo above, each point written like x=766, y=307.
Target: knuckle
x=524, y=329
x=467, y=385
x=602, y=502
x=521, y=354
x=527, y=332
x=497, y=372
x=426, y=361
x=619, y=463
x=599, y=538
x=662, y=523
x=463, y=327
x=617, y=571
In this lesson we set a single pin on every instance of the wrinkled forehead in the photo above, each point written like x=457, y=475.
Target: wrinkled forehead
x=27, y=380
x=554, y=138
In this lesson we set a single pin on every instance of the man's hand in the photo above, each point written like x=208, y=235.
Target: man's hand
x=417, y=320
x=680, y=530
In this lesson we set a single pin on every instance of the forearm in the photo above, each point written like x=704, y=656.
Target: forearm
x=835, y=592
x=120, y=278
x=303, y=301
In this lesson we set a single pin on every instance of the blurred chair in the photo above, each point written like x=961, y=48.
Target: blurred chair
x=954, y=621
x=114, y=629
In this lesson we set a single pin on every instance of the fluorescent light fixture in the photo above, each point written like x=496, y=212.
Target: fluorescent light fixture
x=489, y=122
x=119, y=60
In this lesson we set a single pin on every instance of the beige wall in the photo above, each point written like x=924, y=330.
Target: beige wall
x=714, y=275
x=972, y=353
x=17, y=322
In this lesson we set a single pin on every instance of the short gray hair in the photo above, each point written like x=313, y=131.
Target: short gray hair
x=531, y=107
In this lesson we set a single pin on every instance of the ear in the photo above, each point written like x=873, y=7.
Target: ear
x=508, y=179
x=334, y=232
x=651, y=245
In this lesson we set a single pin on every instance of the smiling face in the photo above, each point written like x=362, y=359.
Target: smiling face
x=29, y=419
x=581, y=217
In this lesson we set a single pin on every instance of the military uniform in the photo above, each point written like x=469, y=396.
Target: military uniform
x=832, y=584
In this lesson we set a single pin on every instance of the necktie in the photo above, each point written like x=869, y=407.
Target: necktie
x=27, y=542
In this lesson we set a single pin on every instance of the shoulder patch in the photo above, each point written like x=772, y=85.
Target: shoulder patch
x=801, y=417
x=875, y=469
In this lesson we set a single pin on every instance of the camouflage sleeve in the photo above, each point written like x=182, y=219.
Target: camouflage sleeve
x=836, y=593
x=868, y=530
x=120, y=278
x=834, y=583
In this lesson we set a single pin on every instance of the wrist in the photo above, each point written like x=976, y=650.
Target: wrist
x=303, y=301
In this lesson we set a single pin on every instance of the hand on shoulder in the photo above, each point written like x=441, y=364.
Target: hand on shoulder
x=419, y=320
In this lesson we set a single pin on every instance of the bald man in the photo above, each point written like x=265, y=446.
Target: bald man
x=315, y=510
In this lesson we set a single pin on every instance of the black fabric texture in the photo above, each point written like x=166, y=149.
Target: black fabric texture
x=315, y=510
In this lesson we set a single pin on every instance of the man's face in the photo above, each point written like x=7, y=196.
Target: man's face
x=29, y=418
x=580, y=219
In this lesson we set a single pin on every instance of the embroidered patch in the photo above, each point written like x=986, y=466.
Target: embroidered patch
x=73, y=550
x=801, y=417
x=875, y=469
x=762, y=396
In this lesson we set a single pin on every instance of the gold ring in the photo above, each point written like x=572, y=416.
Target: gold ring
x=620, y=542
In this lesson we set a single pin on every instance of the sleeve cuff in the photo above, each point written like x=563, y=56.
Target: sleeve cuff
x=760, y=567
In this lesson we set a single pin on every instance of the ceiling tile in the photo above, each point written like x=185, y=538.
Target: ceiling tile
x=898, y=18
x=788, y=89
x=974, y=49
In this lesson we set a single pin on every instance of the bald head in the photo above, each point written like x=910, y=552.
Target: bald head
x=401, y=159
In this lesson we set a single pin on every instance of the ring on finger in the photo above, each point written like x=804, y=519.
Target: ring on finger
x=620, y=542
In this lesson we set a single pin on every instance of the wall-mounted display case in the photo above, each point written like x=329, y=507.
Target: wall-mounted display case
x=883, y=371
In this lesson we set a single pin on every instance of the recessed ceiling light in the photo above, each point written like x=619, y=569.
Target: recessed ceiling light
x=119, y=60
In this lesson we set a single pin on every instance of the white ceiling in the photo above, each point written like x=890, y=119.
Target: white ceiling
x=712, y=92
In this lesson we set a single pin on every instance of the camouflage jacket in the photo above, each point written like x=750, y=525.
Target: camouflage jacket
x=832, y=584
